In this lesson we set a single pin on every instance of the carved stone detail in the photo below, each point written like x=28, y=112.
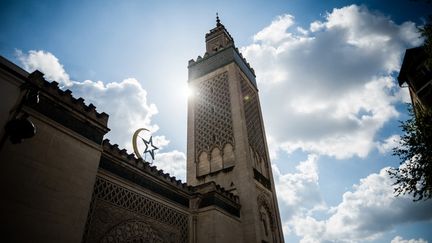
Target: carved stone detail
x=132, y=231
x=120, y=215
x=213, y=121
x=254, y=124
x=264, y=202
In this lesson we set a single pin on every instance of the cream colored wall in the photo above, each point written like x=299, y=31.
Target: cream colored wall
x=241, y=176
x=46, y=184
x=214, y=226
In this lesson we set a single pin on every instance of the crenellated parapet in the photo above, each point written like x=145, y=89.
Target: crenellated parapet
x=213, y=187
x=207, y=55
x=65, y=97
x=211, y=194
x=123, y=156
x=47, y=99
x=224, y=56
x=245, y=61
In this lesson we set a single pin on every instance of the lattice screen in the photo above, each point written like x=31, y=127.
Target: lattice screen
x=139, y=205
x=253, y=118
x=213, y=121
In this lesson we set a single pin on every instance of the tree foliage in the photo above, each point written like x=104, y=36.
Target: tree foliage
x=414, y=176
x=426, y=32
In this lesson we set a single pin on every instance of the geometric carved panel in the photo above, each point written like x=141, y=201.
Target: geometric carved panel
x=254, y=124
x=213, y=121
x=132, y=231
x=118, y=214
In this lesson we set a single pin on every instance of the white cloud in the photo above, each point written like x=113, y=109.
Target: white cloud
x=334, y=89
x=276, y=32
x=173, y=162
x=399, y=239
x=45, y=62
x=316, y=26
x=125, y=101
x=389, y=143
x=333, y=86
x=300, y=187
x=298, y=194
x=302, y=31
x=308, y=227
x=364, y=213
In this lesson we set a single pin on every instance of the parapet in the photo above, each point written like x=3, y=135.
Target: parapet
x=212, y=194
x=213, y=187
x=125, y=165
x=210, y=62
x=143, y=166
x=51, y=88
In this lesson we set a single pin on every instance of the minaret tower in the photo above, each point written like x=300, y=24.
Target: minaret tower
x=226, y=137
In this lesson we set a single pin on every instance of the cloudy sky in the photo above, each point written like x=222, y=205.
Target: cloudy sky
x=326, y=73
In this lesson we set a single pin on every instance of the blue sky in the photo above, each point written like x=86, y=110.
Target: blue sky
x=326, y=73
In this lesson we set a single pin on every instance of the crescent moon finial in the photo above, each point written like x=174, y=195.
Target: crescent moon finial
x=135, y=144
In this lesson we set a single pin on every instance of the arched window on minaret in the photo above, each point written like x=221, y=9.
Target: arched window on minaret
x=266, y=231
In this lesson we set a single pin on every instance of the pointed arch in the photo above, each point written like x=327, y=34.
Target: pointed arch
x=228, y=155
x=264, y=202
x=216, y=159
x=203, y=166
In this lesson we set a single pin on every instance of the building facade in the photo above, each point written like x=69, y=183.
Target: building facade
x=418, y=76
x=226, y=138
x=62, y=182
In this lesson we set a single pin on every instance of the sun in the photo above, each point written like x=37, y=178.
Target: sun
x=190, y=92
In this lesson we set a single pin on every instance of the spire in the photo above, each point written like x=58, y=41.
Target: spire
x=218, y=38
x=217, y=20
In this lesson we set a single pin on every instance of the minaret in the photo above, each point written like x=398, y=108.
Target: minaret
x=226, y=137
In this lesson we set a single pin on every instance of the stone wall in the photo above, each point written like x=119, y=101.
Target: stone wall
x=47, y=180
x=65, y=184
x=215, y=226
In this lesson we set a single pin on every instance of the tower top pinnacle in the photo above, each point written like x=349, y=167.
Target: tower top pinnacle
x=218, y=38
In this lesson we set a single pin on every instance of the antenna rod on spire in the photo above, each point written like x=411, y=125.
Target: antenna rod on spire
x=217, y=19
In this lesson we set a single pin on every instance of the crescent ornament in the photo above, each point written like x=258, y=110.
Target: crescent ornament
x=149, y=146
